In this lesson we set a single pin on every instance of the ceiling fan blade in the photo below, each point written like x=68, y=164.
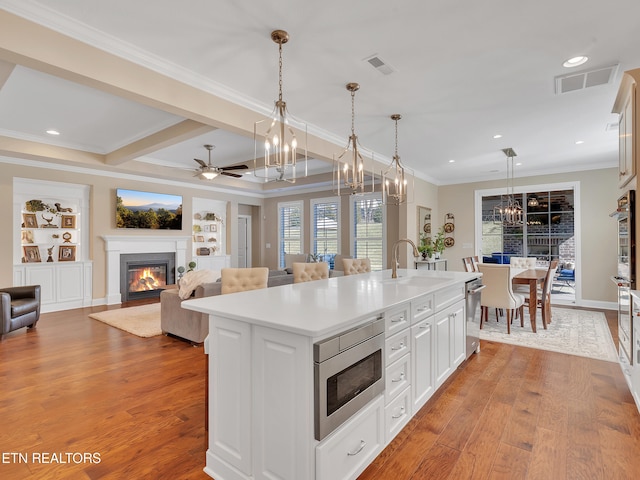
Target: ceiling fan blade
x=236, y=167
x=228, y=174
x=202, y=163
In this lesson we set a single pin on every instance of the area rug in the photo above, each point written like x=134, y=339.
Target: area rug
x=143, y=321
x=574, y=332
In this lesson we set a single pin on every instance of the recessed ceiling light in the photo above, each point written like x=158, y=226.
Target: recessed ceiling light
x=452, y=161
x=579, y=142
x=53, y=132
x=518, y=164
x=497, y=135
x=575, y=61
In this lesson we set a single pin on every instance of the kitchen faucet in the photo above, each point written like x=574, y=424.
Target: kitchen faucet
x=416, y=253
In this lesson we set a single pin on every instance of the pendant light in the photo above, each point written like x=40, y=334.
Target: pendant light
x=280, y=141
x=509, y=212
x=397, y=180
x=350, y=174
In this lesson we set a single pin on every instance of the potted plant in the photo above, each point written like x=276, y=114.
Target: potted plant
x=438, y=242
x=426, y=246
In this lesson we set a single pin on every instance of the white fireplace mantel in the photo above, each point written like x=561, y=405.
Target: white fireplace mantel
x=115, y=245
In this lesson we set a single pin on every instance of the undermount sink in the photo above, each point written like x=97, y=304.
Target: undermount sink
x=415, y=280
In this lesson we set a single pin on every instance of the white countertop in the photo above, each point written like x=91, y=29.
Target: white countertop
x=322, y=307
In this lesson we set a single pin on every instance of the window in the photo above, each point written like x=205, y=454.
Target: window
x=367, y=238
x=289, y=229
x=547, y=232
x=325, y=228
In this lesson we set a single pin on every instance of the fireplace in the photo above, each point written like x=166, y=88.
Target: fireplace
x=145, y=275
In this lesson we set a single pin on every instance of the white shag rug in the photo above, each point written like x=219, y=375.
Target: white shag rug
x=575, y=332
x=143, y=321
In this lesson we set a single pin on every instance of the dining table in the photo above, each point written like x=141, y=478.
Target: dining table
x=531, y=277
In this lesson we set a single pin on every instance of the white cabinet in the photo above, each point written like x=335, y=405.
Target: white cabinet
x=422, y=343
x=229, y=415
x=347, y=452
x=458, y=335
x=450, y=340
x=397, y=350
x=212, y=262
x=626, y=106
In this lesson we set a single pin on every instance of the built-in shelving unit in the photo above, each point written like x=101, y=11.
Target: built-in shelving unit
x=209, y=234
x=50, y=240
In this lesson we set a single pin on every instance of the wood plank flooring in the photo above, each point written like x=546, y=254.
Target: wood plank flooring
x=76, y=385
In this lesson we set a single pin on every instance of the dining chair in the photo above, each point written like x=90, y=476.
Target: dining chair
x=243, y=279
x=467, y=263
x=354, y=266
x=523, y=262
x=544, y=294
x=307, y=272
x=499, y=294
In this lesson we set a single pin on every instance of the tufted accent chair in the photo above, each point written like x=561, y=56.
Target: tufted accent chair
x=307, y=272
x=354, y=266
x=243, y=279
x=523, y=262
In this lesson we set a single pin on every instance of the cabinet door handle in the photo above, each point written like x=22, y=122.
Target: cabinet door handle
x=400, y=414
x=423, y=308
x=362, y=445
x=426, y=325
x=398, y=379
x=399, y=319
x=399, y=347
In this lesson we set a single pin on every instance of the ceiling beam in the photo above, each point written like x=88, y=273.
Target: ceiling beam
x=5, y=72
x=177, y=133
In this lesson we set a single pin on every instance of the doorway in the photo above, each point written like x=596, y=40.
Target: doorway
x=244, y=241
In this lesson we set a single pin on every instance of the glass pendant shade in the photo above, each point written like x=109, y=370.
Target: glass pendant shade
x=351, y=174
x=397, y=180
x=280, y=141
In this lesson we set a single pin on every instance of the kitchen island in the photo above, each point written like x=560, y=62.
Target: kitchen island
x=261, y=367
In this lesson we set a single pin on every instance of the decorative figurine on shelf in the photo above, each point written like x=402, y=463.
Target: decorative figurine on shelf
x=50, y=253
x=67, y=237
x=61, y=209
x=49, y=224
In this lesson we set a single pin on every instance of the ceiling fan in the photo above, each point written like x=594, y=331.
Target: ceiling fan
x=208, y=172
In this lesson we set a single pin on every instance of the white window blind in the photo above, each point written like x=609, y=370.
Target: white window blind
x=368, y=229
x=325, y=228
x=289, y=229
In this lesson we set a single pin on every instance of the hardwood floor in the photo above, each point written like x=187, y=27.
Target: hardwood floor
x=76, y=385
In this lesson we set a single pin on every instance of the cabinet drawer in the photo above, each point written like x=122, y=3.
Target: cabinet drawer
x=348, y=450
x=448, y=296
x=421, y=308
x=397, y=319
x=397, y=378
x=397, y=414
x=397, y=346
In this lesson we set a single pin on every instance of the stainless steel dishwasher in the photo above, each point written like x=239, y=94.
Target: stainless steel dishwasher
x=473, y=289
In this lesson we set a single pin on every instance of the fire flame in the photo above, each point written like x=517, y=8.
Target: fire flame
x=145, y=281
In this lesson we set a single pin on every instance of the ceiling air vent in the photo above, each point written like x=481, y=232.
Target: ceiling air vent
x=379, y=64
x=612, y=127
x=585, y=79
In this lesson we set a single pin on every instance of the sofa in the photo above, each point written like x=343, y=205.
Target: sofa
x=194, y=326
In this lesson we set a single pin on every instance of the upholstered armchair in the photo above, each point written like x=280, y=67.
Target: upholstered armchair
x=20, y=308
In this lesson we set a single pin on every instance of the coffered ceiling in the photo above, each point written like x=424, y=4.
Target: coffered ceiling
x=460, y=73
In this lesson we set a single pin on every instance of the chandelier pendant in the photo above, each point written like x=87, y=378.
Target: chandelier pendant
x=509, y=212
x=350, y=172
x=280, y=141
x=397, y=180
